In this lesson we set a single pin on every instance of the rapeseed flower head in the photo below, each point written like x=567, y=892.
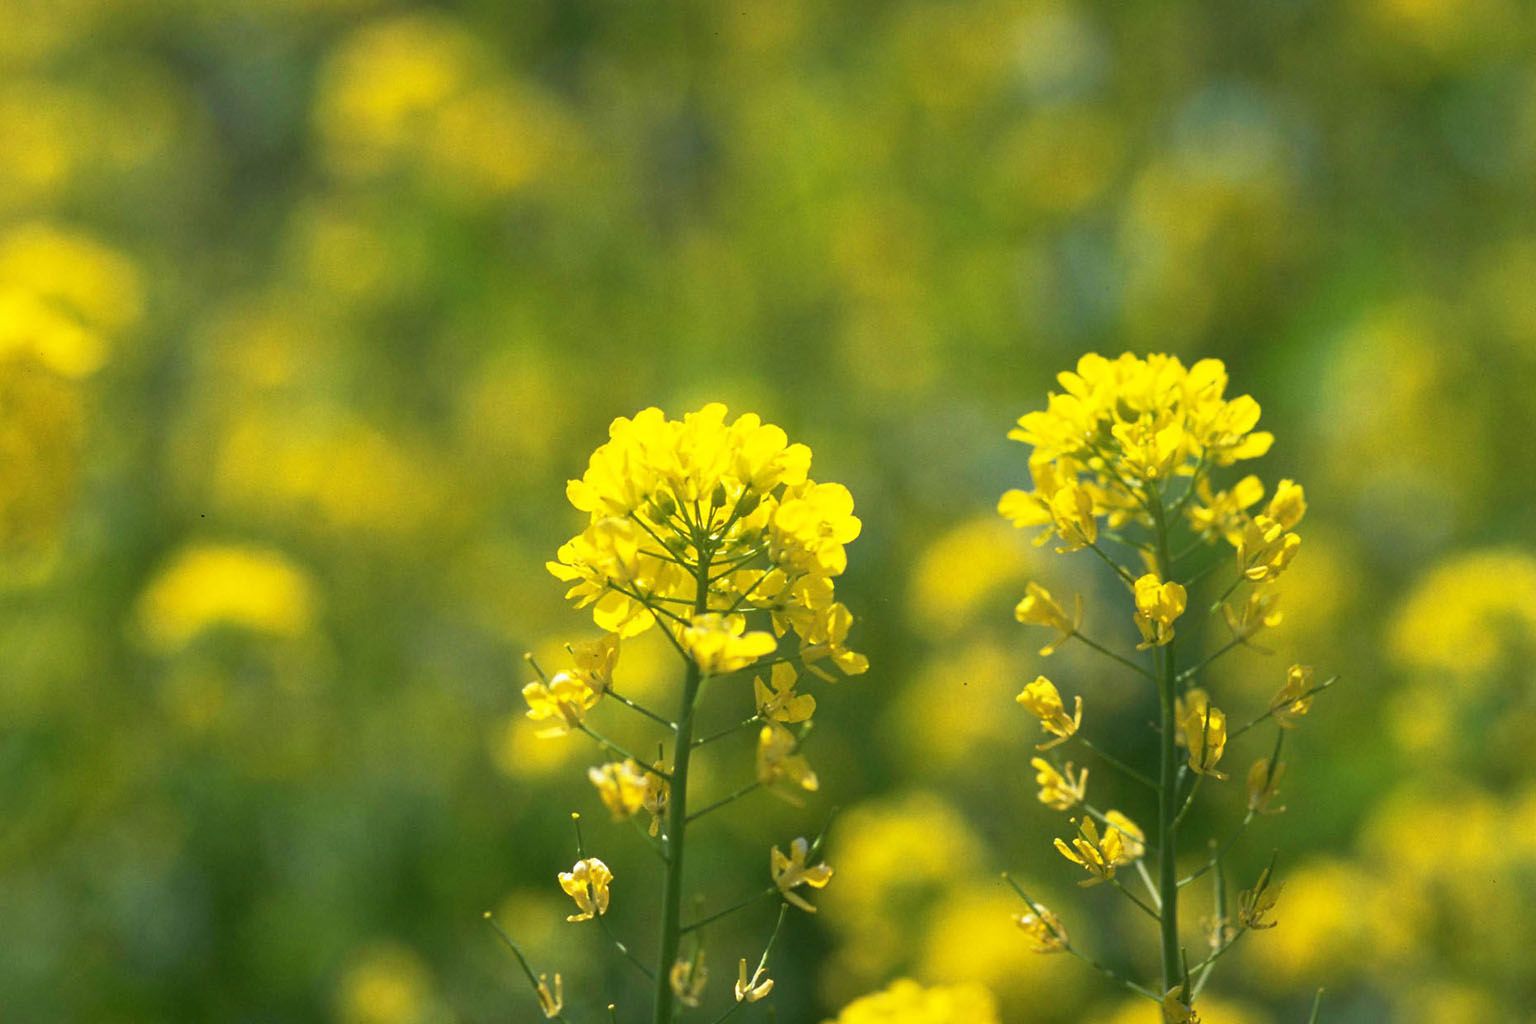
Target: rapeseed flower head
x=1158, y=605
x=1060, y=789
x=1045, y=931
x=777, y=699
x=1038, y=608
x=627, y=789
x=1265, y=549
x=1041, y=699
x=778, y=758
x=791, y=872
x=1121, y=842
x=563, y=702
x=719, y=645
x=1295, y=698
x=587, y=883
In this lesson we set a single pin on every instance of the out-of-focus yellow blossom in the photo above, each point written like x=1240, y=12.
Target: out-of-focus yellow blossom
x=674, y=502
x=758, y=986
x=1046, y=933
x=1224, y=513
x=1038, y=608
x=1258, y=612
x=1213, y=1010
x=781, y=703
x=1294, y=699
x=35, y=329
x=1265, y=549
x=1256, y=904
x=1176, y=1010
x=1205, y=733
x=1121, y=843
x=907, y=1002
x=92, y=282
x=41, y=433
x=587, y=884
x=790, y=872
x=595, y=660
x=718, y=643
x=388, y=985
x=968, y=940
x=689, y=978
x=1288, y=505
x=777, y=758
x=1264, y=785
x=207, y=585
x=627, y=789
x=551, y=1002
x=1041, y=699
x=1467, y=615
x=563, y=702
x=1059, y=790
x=1158, y=605
x=957, y=573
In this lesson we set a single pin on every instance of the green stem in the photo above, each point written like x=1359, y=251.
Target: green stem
x=1128, y=663
x=1167, y=795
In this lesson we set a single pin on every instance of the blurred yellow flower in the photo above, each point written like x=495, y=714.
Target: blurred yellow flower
x=1294, y=699
x=907, y=1002
x=778, y=758
x=389, y=984
x=780, y=702
x=1060, y=789
x=587, y=884
x=563, y=702
x=626, y=789
x=551, y=1002
x=956, y=573
x=688, y=979
x=92, y=282
x=1467, y=614
x=207, y=585
x=1045, y=930
x=791, y=872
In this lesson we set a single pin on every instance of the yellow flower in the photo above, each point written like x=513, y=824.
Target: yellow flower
x=551, y=1002
x=781, y=703
x=1288, y=506
x=1038, y=608
x=758, y=986
x=1059, y=790
x=826, y=640
x=777, y=758
x=1223, y=513
x=587, y=883
x=1265, y=549
x=1264, y=785
x=1254, y=905
x=1158, y=605
x=1133, y=841
x=790, y=872
x=1294, y=699
x=1205, y=733
x=206, y=586
x=595, y=661
x=1072, y=511
x=1041, y=699
x=688, y=978
x=718, y=643
x=1098, y=855
x=907, y=1002
x=627, y=789
x=1046, y=934
x=1176, y=1010
x=1258, y=612
x=563, y=702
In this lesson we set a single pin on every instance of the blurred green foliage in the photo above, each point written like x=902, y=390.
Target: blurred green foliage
x=349, y=288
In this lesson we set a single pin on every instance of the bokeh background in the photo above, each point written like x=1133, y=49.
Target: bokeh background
x=308, y=308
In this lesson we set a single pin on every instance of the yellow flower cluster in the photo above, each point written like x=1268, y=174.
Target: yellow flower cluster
x=696, y=521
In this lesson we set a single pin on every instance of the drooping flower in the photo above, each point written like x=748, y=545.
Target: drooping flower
x=563, y=702
x=1041, y=699
x=1059, y=790
x=791, y=872
x=587, y=883
x=1038, y=608
x=1158, y=605
x=551, y=1002
x=758, y=986
x=1295, y=698
x=1256, y=904
x=1045, y=931
x=778, y=758
x=688, y=979
x=778, y=700
x=1264, y=784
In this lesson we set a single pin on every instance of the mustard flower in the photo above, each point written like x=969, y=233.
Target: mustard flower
x=1133, y=841
x=1041, y=699
x=758, y=986
x=1288, y=505
x=777, y=758
x=718, y=644
x=1205, y=734
x=1257, y=613
x=1059, y=790
x=1265, y=549
x=790, y=872
x=1264, y=785
x=587, y=883
x=688, y=979
x=1073, y=514
x=777, y=699
x=551, y=1002
x=827, y=640
x=563, y=702
x=1158, y=605
x=1256, y=904
x=1222, y=514
x=595, y=661
x=1038, y=608
x=626, y=789
x=1096, y=854
x=1045, y=931
x=1294, y=699
x=1176, y=1008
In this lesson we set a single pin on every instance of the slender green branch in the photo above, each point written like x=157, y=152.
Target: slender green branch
x=1127, y=662
x=522, y=961
x=1145, y=907
x=1225, y=849
x=1200, y=666
x=723, y=733
x=1167, y=778
x=1317, y=1004
x=1189, y=801
x=728, y=911
x=629, y=955
x=1216, y=607
x=725, y=801
x=1319, y=688
x=609, y=745
x=1067, y=947
x=642, y=709
x=1119, y=570
x=762, y=964
x=1115, y=762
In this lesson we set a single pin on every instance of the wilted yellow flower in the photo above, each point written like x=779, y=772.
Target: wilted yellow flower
x=790, y=872
x=1265, y=549
x=562, y=702
x=587, y=883
x=1045, y=931
x=781, y=703
x=1205, y=733
x=627, y=789
x=688, y=979
x=1176, y=1010
x=1059, y=790
x=1254, y=905
x=1263, y=785
x=718, y=645
x=551, y=1002
x=1257, y=613
x=758, y=986
x=1041, y=699
x=777, y=758
x=1294, y=699
x=1158, y=605
x=210, y=585
x=1038, y=608
x=907, y=1002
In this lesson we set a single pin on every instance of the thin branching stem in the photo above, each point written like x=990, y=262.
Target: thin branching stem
x=728, y=911
x=1225, y=849
x=642, y=709
x=609, y=745
x=1115, y=762
x=1319, y=688
x=726, y=801
x=1127, y=662
x=522, y=961
x=1067, y=946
